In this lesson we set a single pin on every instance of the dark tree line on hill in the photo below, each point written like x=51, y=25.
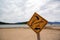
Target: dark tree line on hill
x=27, y=21
x=14, y=23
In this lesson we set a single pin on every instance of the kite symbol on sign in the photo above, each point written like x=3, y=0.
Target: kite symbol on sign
x=34, y=20
x=37, y=28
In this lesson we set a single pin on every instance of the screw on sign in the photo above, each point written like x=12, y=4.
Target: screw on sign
x=37, y=22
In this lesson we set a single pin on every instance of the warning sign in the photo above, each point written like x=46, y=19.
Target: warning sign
x=37, y=22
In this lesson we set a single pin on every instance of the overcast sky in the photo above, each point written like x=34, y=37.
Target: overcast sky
x=12, y=11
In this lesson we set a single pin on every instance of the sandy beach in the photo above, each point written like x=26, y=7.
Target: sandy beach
x=28, y=34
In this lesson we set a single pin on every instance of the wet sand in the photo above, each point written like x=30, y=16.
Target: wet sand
x=28, y=34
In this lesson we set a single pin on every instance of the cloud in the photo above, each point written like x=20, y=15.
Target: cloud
x=11, y=10
x=21, y=10
x=55, y=0
x=51, y=11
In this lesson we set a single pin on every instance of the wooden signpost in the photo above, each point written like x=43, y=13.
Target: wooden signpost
x=37, y=23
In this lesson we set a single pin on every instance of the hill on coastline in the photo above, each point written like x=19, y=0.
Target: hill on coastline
x=26, y=23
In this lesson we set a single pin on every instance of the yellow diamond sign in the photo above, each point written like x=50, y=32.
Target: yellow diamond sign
x=37, y=22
